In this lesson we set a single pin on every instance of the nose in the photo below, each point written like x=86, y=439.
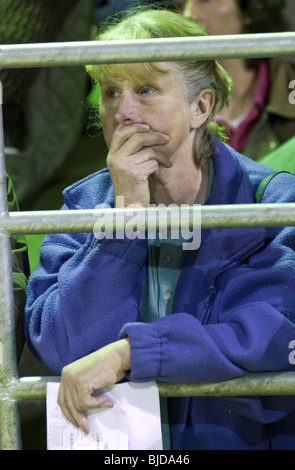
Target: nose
x=127, y=110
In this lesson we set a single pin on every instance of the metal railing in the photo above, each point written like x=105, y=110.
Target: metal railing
x=14, y=389
x=147, y=50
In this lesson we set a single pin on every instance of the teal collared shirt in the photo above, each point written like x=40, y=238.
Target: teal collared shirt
x=165, y=259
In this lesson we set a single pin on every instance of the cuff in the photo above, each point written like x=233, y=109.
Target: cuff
x=146, y=351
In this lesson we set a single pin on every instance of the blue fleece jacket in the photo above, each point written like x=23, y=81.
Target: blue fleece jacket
x=233, y=312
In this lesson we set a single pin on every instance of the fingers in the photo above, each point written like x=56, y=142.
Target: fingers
x=73, y=415
x=83, y=377
x=139, y=141
x=73, y=406
x=129, y=140
x=124, y=133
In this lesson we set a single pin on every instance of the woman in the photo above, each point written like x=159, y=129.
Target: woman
x=146, y=309
x=260, y=116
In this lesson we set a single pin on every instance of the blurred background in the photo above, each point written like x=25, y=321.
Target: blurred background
x=51, y=140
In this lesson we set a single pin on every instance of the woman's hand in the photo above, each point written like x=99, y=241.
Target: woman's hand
x=79, y=380
x=134, y=155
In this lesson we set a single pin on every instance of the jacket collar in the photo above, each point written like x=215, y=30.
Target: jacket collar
x=233, y=185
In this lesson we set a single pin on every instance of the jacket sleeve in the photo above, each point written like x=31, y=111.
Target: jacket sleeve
x=81, y=294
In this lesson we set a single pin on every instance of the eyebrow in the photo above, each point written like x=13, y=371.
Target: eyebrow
x=143, y=73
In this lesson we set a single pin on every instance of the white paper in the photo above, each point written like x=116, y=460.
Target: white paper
x=134, y=422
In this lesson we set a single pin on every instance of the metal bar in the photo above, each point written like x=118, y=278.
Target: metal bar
x=258, y=384
x=147, y=50
x=219, y=216
x=9, y=413
x=252, y=384
x=29, y=388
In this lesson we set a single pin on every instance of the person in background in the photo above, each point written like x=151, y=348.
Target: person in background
x=103, y=308
x=42, y=112
x=260, y=116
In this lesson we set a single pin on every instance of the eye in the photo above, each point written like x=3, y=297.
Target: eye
x=146, y=90
x=111, y=93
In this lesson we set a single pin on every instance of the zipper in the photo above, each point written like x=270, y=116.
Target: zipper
x=208, y=304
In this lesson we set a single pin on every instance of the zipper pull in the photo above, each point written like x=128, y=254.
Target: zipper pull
x=210, y=293
x=209, y=303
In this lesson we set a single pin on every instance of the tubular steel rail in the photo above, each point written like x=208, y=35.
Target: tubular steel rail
x=147, y=50
x=14, y=389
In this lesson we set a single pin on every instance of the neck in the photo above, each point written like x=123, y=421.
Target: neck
x=244, y=82
x=180, y=184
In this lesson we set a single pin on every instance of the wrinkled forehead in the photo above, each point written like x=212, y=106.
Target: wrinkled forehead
x=140, y=72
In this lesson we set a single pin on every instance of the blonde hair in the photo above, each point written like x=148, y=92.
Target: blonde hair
x=197, y=75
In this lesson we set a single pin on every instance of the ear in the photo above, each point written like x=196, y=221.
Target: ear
x=201, y=107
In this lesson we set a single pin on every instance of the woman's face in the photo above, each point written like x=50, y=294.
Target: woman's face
x=217, y=16
x=159, y=102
